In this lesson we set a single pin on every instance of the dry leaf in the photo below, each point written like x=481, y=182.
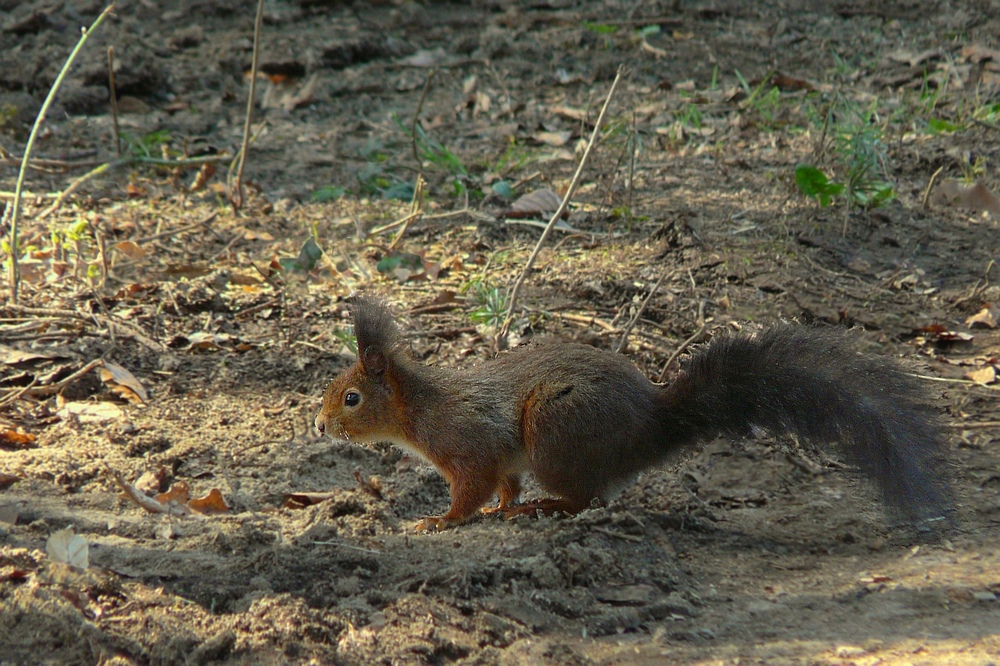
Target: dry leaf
x=975, y=53
x=212, y=503
x=976, y=196
x=982, y=319
x=123, y=382
x=151, y=482
x=302, y=500
x=179, y=493
x=11, y=439
x=148, y=503
x=426, y=58
x=984, y=375
x=68, y=548
x=130, y=249
x=557, y=139
x=7, y=480
x=371, y=486
x=91, y=412
x=540, y=203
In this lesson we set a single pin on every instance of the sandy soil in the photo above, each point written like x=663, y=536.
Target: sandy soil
x=756, y=551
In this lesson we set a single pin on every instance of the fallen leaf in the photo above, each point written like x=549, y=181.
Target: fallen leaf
x=557, y=139
x=137, y=290
x=426, y=58
x=91, y=412
x=148, y=503
x=66, y=547
x=7, y=480
x=130, y=249
x=123, y=382
x=975, y=53
x=302, y=500
x=212, y=503
x=539, y=203
x=371, y=486
x=985, y=318
x=984, y=375
x=179, y=493
x=11, y=439
x=151, y=481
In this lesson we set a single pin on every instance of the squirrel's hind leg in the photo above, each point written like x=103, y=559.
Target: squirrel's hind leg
x=508, y=492
x=546, y=507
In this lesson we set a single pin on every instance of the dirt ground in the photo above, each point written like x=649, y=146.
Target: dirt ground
x=756, y=551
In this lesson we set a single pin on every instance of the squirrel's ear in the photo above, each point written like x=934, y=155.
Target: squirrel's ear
x=373, y=361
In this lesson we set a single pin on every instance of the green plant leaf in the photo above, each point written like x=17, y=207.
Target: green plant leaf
x=400, y=191
x=600, y=28
x=503, y=188
x=309, y=254
x=328, y=193
x=940, y=125
x=813, y=183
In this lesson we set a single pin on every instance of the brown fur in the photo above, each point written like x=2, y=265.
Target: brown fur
x=585, y=422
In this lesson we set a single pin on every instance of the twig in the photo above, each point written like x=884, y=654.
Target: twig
x=176, y=232
x=114, y=100
x=975, y=424
x=623, y=342
x=51, y=163
x=416, y=119
x=948, y=380
x=46, y=312
x=14, y=395
x=14, y=275
x=618, y=535
x=236, y=191
x=348, y=546
x=583, y=319
x=148, y=503
x=687, y=343
x=930, y=185
x=557, y=215
x=406, y=219
x=60, y=385
x=416, y=210
x=633, y=149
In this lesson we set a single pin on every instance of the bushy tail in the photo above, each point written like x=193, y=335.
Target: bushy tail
x=813, y=384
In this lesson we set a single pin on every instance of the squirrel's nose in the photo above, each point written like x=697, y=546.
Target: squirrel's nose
x=320, y=425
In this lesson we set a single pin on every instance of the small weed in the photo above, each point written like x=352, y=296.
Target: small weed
x=860, y=150
x=148, y=144
x=429, y=150
x=764, y=100
x=514, y=158
x=989, y=113
x=346, y=337
x=491, y=303
x=328, y=193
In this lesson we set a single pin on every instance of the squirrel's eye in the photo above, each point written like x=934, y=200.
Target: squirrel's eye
x=352, y=399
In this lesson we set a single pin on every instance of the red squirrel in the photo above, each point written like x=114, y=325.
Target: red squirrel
x=586, y=422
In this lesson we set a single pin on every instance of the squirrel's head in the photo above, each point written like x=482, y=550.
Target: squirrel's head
x=362, y=403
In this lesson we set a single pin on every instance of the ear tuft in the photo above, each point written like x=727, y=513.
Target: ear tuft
x=375, y=330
